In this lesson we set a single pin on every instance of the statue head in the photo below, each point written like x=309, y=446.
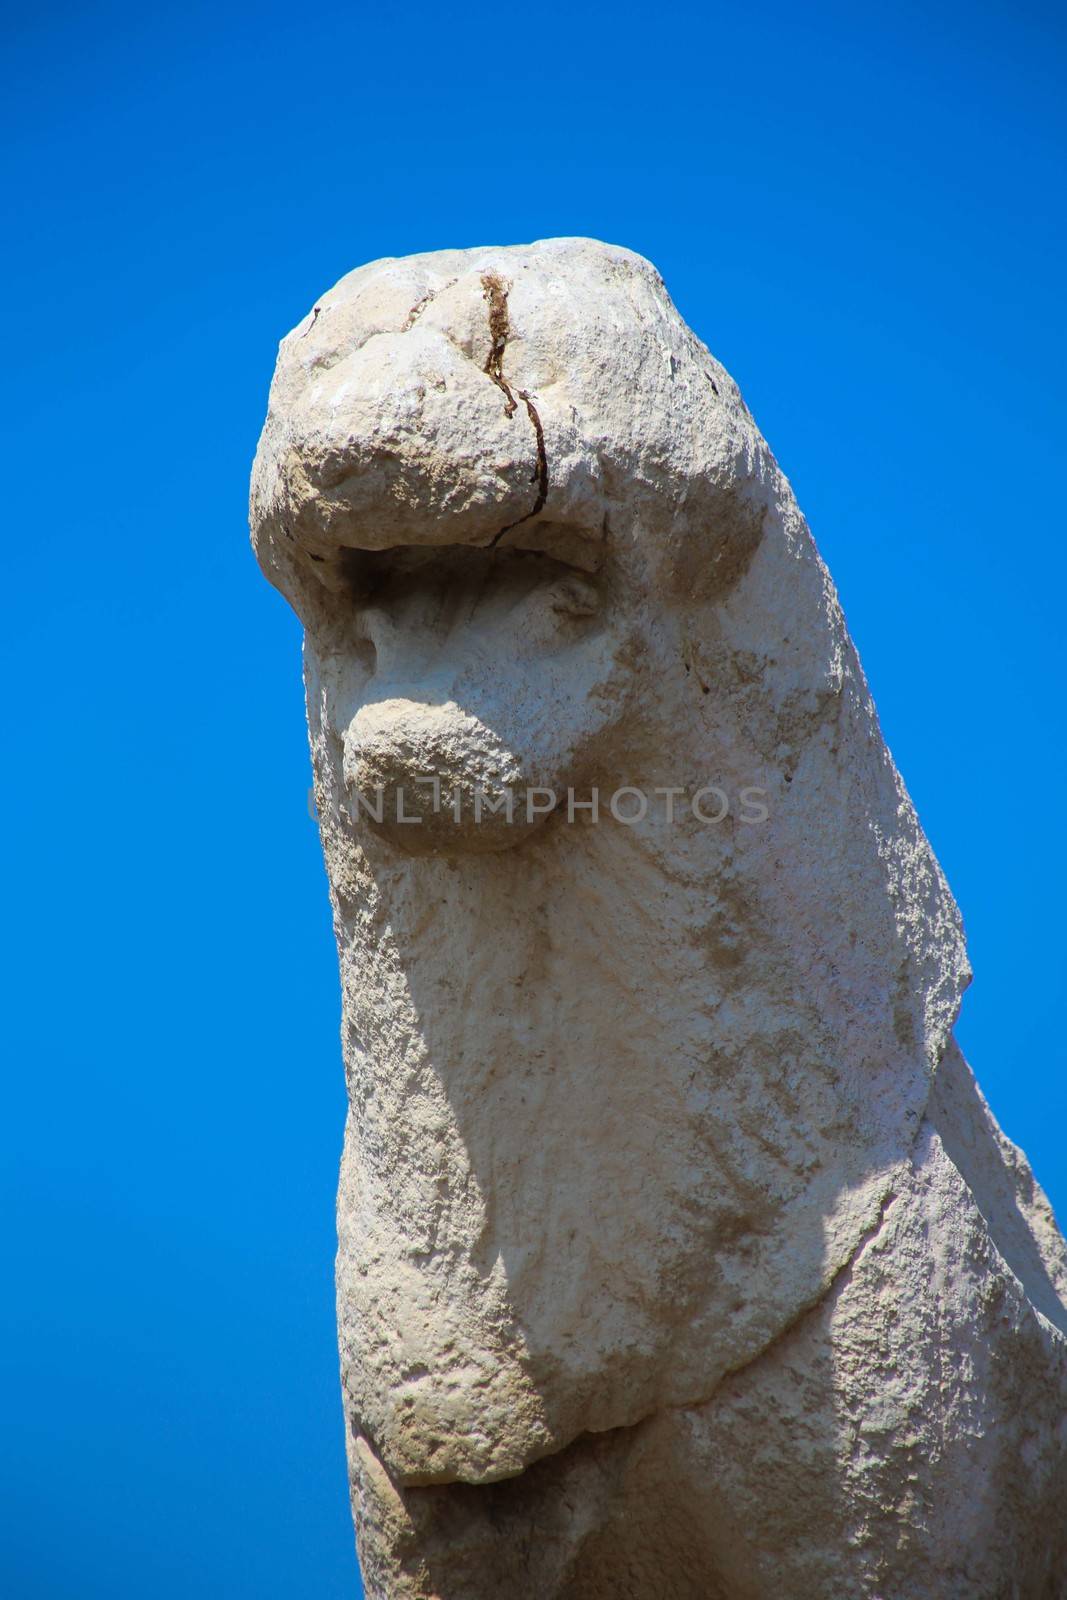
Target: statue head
x=646, y=963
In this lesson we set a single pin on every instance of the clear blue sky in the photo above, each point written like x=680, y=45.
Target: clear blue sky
x=860, y=208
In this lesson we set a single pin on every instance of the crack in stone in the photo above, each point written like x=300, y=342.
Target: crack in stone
x=420, y=305
x=496, y=296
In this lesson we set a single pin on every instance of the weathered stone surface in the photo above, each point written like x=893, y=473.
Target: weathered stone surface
x=662, y=1269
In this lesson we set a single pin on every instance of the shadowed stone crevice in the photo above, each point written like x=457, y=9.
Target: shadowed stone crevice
x=496, y=295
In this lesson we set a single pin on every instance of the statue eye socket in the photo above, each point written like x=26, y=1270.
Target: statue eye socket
x=574, y=597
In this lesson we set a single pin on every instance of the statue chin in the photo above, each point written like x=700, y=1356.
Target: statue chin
x=433, y=780
x=466, y=821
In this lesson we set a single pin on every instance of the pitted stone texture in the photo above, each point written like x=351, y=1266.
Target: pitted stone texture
x=906, y=1437
x=627, y=1102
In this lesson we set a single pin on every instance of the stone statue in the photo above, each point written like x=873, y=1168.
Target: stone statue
x=679, y=1254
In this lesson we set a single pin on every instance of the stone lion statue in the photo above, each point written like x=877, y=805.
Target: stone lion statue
x=679, y=1254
